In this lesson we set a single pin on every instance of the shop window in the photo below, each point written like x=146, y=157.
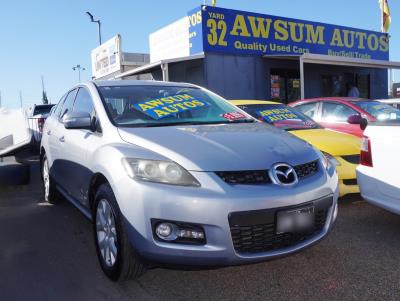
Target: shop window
x=337, y=85
x=363, y=85
x=285, y=85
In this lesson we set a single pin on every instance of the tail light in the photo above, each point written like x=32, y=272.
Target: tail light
x=366, y=154
x=41, y=124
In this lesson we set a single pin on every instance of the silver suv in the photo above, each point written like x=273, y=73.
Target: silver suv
x=172, y=174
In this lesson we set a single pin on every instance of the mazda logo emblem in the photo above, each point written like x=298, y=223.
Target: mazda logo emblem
x=283, y=174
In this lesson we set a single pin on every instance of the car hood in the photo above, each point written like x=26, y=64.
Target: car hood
x=332, y=142
x=222, y=147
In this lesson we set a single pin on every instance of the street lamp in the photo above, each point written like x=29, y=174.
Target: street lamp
x=79, y=68
x=98, y=23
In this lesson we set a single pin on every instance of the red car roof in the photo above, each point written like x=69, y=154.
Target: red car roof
x=342, y=99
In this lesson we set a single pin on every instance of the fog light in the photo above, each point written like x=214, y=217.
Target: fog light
x=166, y=231
x=178, y=232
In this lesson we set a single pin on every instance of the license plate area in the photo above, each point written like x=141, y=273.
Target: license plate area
x=299, y=220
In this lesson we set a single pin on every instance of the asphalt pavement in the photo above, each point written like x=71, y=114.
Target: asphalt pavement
x=47, y=253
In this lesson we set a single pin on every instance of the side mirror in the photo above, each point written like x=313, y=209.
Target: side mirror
x=78, y=121
x=354, y=119
x=363, y=124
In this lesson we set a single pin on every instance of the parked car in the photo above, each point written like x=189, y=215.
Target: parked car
x=378, y=172
x=15, y=135
x=37, y=116
x=173, y=174
x=342, y=149
x=394, y=102
x=345, y=114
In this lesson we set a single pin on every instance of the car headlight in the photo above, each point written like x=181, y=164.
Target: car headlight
x=331, y=158
x=166, y=172
x=326, y=163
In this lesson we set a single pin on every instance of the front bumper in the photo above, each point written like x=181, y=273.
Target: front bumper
x=347, y=177
x=211, y=206
x=376, y=191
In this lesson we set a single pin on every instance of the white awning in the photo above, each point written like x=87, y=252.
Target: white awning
x=160, y=64
x=310, y=58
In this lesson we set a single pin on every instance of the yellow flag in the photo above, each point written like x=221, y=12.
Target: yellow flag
x=214, y=2
x=386, y=17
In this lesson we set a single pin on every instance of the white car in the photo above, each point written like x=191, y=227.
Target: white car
x=394, y=102
x=15, y=134
x=378, y=172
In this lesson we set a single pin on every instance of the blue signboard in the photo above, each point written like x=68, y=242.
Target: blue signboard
x=195, y=31
x=238, y=32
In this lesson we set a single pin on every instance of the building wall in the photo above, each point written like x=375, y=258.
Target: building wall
x=236, y=77
x=186, y=71
x=248, y=77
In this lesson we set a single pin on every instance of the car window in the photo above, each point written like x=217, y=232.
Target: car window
x=308, y=109
x=57, y=110
x=336, y=112
x=83, y=102
x=68, y=103
x=281, y=116
x=152, y=106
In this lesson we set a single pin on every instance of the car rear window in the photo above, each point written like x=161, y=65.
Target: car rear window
x=40, y=110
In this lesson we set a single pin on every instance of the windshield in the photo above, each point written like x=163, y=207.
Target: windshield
x=140, y=106
x=380, y=111
x=280, y=116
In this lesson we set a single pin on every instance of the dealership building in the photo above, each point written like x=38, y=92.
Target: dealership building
x=245, y=55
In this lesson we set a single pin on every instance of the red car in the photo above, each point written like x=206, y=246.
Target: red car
x=345, y=114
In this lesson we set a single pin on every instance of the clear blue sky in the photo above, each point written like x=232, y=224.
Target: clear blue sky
x=48, y=37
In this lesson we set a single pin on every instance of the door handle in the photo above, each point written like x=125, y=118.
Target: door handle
x=49, y=132
x=62, y=139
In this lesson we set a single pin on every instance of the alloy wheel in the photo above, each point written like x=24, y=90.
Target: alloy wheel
x=107, y=237
x=46, y=180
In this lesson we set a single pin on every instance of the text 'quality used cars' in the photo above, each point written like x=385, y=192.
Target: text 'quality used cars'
x=172, y=174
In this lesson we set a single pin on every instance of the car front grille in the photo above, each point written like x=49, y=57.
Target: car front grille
x=255, y=231
x=262, y=177
x=353, y=159
x=245, y=177
x=305, y=170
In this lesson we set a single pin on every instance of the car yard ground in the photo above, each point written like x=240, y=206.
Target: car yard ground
x=47, y=253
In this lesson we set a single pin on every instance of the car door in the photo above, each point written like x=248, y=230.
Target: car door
x=54, y=132
x=77, y=172
x=334, y=116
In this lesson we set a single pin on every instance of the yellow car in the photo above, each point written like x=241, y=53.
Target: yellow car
x=343, y=150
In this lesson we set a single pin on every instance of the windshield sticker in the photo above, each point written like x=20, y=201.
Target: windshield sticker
x=234, y=116
x=278, y=115
x=166, y=106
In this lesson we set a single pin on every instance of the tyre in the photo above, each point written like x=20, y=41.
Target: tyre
x=51, y=194
x=116, y=256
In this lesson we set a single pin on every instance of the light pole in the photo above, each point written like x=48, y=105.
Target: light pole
x=98, y=23
x=79, y=68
